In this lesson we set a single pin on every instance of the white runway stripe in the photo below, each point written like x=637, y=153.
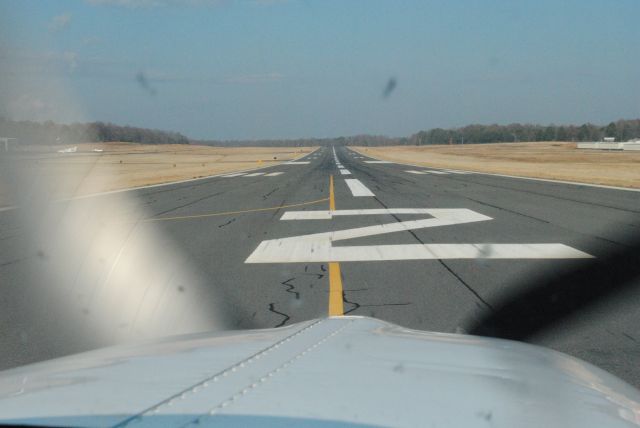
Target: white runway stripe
x=273, y=174
x=377, y=162
x=453, y=171
x=234, y=175
x=328, y=214
x=309, y=253
x=412, y=171
x=345, y=172
x=297, y=163
x=437, y=172
x=255, y=174
x=357, y=188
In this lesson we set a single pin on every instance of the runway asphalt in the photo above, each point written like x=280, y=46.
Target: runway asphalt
x=496, y=233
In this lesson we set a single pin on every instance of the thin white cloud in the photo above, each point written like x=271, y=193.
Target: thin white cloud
x=60, y=22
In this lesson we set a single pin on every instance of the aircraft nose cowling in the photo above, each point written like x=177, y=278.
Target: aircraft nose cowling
x=341, y=371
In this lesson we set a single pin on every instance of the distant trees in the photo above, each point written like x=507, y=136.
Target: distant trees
x=356, y=140
x=621, y=130
x=51, y=133
x=48, y=132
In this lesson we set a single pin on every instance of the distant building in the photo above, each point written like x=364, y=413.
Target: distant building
x=5, y=143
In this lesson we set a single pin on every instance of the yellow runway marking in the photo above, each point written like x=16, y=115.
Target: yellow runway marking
x=336, y=305
x=186, y=217
x=332, y=199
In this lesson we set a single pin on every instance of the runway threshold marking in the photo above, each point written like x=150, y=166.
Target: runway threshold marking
x=336, y=305
x=187, y=217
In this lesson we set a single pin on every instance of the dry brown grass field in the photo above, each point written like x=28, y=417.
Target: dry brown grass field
x=126, y=165
x=550, y=160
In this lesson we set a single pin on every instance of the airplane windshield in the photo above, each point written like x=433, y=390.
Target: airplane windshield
x=172, y=167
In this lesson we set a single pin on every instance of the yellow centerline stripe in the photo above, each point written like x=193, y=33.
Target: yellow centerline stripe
x=336, y=304
x=332, y=199
x=185, y=217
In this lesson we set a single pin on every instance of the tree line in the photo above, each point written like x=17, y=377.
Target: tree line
x=28, y=132
x=621, y=130
x=49, y=132
x=356, y=140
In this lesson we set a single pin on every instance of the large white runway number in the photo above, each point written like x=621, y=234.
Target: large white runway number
x=318, y=247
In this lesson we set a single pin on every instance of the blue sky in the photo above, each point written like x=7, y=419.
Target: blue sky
x=247, y=69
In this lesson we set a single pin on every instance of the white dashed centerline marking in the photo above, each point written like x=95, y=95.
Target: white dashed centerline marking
x=357, y=188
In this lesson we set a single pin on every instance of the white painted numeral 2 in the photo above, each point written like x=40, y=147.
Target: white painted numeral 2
x=318, y=247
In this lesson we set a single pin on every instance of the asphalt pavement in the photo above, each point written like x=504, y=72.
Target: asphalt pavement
x=424, y=248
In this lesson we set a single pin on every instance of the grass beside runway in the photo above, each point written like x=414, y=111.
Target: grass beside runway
x=546, y=160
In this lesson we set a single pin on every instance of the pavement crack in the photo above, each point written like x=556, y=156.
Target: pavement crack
x=354, y=304
x=285, y=316
x=290, y=288
x=266, y=195
x=188, y=203
x=507, y=210
x=546, y=195
x=546, y=222
x=227, y=223
x=450, y=270
x=275, y=212
x=468, y=287
x=385, y=304
x=317, y=275
x=10, y=262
